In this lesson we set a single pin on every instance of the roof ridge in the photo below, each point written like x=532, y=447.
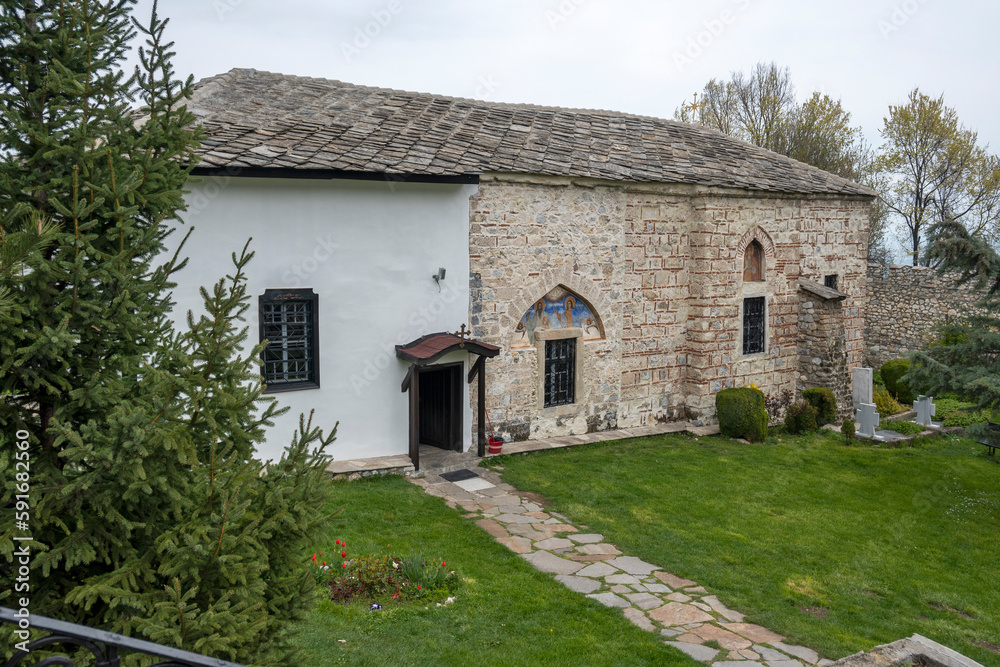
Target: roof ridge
x=454, y=98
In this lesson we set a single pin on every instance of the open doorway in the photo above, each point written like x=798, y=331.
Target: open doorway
x=440, y=406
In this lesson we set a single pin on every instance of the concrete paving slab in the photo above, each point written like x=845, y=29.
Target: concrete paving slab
x=474, y=484
x=587, y=538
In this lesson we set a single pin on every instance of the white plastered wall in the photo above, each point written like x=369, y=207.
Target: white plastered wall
x=368, y=249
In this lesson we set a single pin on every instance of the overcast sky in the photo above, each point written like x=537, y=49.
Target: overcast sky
x=639, y=56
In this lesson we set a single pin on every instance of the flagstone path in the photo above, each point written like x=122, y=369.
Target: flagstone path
x=684, y=613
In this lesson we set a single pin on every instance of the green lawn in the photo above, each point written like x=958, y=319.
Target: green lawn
x=839, y=548
x=506, y=613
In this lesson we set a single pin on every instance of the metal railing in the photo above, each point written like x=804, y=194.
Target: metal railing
x=105, y=646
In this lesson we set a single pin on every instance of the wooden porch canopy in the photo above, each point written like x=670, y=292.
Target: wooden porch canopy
x=425, y=351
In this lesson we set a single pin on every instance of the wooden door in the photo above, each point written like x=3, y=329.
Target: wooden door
x=440, y=407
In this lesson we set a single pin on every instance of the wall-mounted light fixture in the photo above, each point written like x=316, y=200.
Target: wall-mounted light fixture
x=438, y=277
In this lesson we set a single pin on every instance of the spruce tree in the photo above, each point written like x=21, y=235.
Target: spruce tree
x=149, y=513
x=966, y=359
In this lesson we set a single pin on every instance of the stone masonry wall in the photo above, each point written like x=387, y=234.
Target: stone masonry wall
x=904, y=304
x=811, y=238
x=822, y=357
x=662, y=268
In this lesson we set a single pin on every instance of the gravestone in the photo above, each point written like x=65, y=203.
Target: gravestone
x=862, y=386
x=867, y=417
x=924, y=405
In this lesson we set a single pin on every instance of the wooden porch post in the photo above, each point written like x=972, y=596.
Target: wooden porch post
x=411, y=384
x=481, y=407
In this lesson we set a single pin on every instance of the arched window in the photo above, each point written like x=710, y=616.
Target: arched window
x=753, y=263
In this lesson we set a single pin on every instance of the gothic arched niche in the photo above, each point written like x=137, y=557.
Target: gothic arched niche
x=561, y=308
x=753, y=262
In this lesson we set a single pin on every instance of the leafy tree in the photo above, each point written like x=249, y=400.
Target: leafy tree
x=150, y=515
x=966, y=362
x=753, y=108
x=937, y=171
x=760, y=108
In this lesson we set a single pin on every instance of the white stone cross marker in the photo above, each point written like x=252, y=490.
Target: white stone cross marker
x=862, y=386
x=868, y=418
x=925, y=409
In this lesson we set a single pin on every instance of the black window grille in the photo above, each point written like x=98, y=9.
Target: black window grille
x=560, y=371
x=753, y=325
x=289, y=322
x=831, y=281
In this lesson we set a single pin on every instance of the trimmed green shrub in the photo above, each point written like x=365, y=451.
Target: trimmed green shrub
x=741, y=413
x=885, y=404
x=847, y=428
x=825, y=403
x=800, y=418
x=892, y=372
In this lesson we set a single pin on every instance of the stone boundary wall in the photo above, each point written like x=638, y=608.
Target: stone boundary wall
x=903, y=306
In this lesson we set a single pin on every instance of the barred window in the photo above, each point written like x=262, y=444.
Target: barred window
x=560, y=371
x=830, y=281
x=289, y=322
x=753, y=325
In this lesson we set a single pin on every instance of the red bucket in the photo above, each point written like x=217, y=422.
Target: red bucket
x=496, y=444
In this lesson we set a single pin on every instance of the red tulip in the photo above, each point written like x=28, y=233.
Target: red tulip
x=343, y=554
x=314, y=556
x=324, y=562
x=338, y=541
x=418, y=588
x=343, y=564
x=443, y=563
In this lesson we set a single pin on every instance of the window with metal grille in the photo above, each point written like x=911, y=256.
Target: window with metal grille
x=753, y=325
x=289, y=322
x=560, y=371
x=831, y=281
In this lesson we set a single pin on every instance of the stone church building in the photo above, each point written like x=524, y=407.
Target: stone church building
x=614, y=270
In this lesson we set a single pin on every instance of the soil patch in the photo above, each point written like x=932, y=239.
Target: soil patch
x=993, y=648
x=941, y=607
x=818, y=612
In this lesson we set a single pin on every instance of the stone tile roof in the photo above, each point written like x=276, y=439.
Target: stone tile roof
x=261, y=119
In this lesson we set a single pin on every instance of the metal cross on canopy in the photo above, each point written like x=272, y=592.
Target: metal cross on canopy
x=464, y=333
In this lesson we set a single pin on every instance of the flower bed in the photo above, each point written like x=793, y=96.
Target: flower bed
x=381, y=578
